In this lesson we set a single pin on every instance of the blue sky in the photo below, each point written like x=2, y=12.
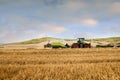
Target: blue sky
x=28, y=19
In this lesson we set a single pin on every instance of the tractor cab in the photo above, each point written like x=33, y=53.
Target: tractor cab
x=80, y=40
x=81, y=43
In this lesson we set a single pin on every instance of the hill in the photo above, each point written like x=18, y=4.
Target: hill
x=40, y=42
x=107, y=42
x=44, y=39
x=36, y=41
x=111, y=39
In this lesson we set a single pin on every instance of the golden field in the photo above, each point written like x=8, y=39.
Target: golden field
x=60, y=64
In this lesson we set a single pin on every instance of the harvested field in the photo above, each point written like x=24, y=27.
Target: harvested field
x=60, y=64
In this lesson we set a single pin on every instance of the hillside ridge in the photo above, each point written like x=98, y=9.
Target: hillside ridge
x=44, y=39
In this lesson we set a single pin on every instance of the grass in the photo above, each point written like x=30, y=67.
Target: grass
x=111, y=39
x=60, y=64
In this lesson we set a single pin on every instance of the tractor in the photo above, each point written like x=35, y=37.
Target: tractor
x=62, y=44
x=81, y=44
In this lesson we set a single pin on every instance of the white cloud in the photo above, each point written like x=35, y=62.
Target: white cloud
x=89, y=22
x=116, y=7
x=25, y=29
x=24, y=24
x=11, y=37
x=53, y=28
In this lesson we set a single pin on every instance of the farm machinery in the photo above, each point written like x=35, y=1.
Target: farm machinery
x=81, y=44
x=58, y=44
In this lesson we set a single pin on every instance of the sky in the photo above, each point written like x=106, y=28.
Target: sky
x=22, y=20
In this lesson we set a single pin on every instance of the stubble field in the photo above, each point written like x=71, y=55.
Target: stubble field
x=60, y=64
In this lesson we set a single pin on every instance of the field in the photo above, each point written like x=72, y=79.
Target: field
x=60, y=64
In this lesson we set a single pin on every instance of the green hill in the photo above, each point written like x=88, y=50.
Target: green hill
x=111, y=39
x=35, y=41
x=39, y=40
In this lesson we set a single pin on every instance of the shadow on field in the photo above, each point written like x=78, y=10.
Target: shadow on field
x=58, y=62
x=99, y=61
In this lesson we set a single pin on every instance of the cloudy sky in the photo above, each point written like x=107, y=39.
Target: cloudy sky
x=28, y=19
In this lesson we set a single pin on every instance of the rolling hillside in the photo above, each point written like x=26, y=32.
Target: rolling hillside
x=36, y=41
x=40, y=42
x=111, y=39
x=44, y=39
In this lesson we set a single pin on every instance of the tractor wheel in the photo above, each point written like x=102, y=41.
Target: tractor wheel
x=75, y=45
x=87, y=46
x=45, y=46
